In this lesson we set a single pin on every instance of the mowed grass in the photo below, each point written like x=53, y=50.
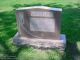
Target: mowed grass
x=8, y=5
x=70, y=25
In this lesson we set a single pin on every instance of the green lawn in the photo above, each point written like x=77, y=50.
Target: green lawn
x=70, y=25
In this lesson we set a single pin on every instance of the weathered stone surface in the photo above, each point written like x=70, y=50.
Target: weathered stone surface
x=39, y=27
x=39, y=22
x=41, y=43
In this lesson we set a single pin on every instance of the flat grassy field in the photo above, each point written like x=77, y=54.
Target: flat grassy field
x=70, y=25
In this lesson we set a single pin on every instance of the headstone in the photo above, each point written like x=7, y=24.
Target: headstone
x=39, y=26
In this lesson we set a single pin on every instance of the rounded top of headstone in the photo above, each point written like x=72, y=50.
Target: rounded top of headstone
x=40, y=7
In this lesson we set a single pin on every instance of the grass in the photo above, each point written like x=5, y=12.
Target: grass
x=6, y=5
x=35, y=54
x=70, y=26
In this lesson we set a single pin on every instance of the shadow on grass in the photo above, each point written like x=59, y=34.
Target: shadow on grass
x=70, y=26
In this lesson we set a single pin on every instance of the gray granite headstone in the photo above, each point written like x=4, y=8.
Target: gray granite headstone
x=39, y=26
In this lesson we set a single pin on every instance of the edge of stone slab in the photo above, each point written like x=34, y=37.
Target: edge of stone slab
x=41, y=7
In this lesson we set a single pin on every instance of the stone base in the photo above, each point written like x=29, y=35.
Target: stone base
x=40, y=43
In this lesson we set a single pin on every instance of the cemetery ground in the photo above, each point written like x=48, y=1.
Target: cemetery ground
x=70, y=25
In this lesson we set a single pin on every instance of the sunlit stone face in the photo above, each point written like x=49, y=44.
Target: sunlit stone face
x=41, y=13
x=42, y=21
x=42, y=24
x=39, y=22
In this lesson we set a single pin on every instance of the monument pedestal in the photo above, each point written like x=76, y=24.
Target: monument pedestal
x=40, y=43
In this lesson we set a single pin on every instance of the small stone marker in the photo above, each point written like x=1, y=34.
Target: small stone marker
x=39, y=26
